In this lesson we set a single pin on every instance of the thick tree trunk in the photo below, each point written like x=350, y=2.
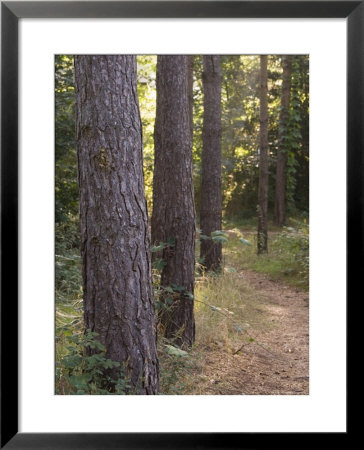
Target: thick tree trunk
x=263, y=159
x=173, y=218
x=280, y=193
x=190, y=63
x=210, y=212
x=115, y=244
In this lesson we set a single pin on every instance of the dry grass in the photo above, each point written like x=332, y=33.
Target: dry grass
x=227, y=309
x=231, y=309
x=225, y=360
x=243, y=314
x=224, y=304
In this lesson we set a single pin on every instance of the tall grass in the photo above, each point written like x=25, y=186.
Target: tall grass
x=287, y=259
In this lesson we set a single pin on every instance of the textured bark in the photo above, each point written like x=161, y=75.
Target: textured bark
x=280, y=192
x=115, y=244
x=210, y=211
x=190, y=62
x=173, y=198
x=263, y=159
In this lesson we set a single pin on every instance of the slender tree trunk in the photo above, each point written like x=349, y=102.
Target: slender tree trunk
x=210, y=212
x=173, y=218
x=263, y=159
x=280, y=193
x=115, y=243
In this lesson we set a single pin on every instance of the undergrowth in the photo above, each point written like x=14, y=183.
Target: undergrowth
x=226, y=309
x=84, y=369
x=287, y=259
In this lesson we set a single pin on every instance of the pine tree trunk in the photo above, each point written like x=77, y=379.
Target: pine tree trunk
x=190, y=63
x=115, y=243
x=263, y=160
x=173, y=218
x=210, y=212
x=280, y=193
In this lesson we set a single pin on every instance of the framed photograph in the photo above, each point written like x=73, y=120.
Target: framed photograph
x=51, y=56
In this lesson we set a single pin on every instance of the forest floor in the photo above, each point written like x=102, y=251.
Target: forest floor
x=252, y=320
x=277, y=361
x=252, y=326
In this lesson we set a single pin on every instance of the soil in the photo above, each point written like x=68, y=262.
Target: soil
x=277, y=361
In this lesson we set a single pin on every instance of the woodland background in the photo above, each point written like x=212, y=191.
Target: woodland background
x=222, y=326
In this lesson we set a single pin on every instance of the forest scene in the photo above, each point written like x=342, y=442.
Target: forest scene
x=182, y=224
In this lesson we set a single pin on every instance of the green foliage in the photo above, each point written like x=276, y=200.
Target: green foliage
x=66, y=186
x=147, y=102
x=165, y=296
x=176, y=351
x=158, y=248
x=240, y=131
x=292, y=138
x=288, y=258
x=81, y=372
x=160, y=263
x=301, y=94
x=175, y=365
x=85, y=370
x=295, y=241
x=215, y=236
x=219, y=236
x=162, y=245
x=67, y=261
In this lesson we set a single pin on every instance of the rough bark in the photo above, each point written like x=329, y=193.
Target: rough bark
x=173, y=215
x=190, y=62
x=115, y=242
x=280, y=192
x=210, y=210
x=263, y=159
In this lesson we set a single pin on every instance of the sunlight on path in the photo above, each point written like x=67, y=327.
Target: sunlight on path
x=277, y=362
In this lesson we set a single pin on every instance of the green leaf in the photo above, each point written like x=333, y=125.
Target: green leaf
x=158, y=248
x=96, y=345
x=92, y=333
x=109, y=364
x=159, y=264
x=219, y=233
x=219, y=238
x=80, y=381
x=71, y=361
x=175, y=351
x=171, y=242
x=244, y=241
x=178, y=288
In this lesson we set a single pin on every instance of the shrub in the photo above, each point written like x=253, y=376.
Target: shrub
x=79, y=373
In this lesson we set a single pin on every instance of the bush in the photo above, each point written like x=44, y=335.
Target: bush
x=80, y=374
x=295, y=241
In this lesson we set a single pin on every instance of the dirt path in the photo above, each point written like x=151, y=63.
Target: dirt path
x=283, y=369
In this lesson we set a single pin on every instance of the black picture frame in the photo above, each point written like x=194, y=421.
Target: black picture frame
x=11, y=12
